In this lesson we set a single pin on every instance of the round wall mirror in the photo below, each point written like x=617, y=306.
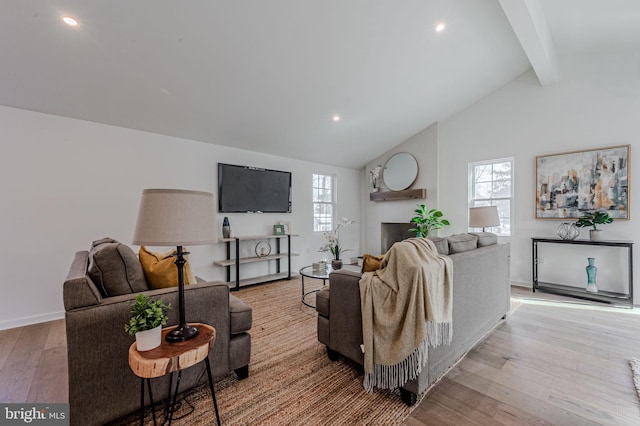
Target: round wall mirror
x=400, y=171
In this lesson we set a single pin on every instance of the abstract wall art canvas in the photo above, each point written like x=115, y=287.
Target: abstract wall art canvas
x=573, y=183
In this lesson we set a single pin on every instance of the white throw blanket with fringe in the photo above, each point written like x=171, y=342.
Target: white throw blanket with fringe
x=406, y=305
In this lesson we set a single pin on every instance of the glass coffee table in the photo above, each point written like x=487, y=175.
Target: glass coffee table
x=321, y=274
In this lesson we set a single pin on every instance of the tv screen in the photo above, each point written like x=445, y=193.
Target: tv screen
x=243, y=189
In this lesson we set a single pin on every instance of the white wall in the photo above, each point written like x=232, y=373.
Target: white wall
x=595, y=104
x=68, y=182
x=424, y=147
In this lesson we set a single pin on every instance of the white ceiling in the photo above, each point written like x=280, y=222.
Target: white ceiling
x=268, y=76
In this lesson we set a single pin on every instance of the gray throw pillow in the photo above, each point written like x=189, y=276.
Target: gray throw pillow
x=462, y=242
x=441, y=244
x=115, y=269
x=485, y=238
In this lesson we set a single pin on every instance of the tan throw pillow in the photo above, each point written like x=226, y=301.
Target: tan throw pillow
x=160, y=268
x=371, y=263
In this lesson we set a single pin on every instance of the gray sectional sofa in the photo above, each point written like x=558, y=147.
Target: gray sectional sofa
x=481, y=298
x=97, y=294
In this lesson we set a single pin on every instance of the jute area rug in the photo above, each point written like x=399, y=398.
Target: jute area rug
x=291, y=380
x=634, y=363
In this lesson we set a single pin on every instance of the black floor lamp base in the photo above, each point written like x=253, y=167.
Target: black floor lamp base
x=182, y=333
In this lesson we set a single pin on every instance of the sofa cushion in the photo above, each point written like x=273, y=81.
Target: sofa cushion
x=115, y=269
x=160, y=269
x=485, y=238
x=322, y=301
x=371, y=262
x=460, y=243
x=441, y=244
x=240, y=314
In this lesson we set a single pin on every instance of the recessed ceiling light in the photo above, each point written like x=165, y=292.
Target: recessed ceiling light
x=336, y=118
x=440, y=27
x=70, y=21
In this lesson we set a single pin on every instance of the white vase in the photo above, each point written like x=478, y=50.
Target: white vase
x=595, y=234
x=149, y=339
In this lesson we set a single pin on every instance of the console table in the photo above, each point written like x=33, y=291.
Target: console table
x=236, y=260
x=615, y=298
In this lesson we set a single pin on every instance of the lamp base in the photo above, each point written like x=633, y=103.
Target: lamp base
x=182, y=333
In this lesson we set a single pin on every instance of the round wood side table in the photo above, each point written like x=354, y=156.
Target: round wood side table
x=169, y=358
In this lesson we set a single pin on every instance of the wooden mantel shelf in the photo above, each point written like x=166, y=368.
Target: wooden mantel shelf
x=407, y=194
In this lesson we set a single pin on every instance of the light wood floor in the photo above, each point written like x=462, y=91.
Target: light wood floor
x=554, y=361
x=549, y=363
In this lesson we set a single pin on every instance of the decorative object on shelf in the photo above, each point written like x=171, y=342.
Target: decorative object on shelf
x=147, y=318
x=592, y=270
x=278, y=229
x=427, y=221
x=483, y=217
x=400, y=171
x=287, y=226
x=566, y=183
x=263, y=248
x=374, y=175
x=336, y=264
x=320, y=266
x=176, y=217
x=568, y=231
x=594, y=219
x=333, y=239
x=226, y=228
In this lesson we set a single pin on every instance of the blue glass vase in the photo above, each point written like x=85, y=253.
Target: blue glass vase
x=591, y=275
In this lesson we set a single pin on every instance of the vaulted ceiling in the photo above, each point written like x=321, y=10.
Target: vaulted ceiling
x=270, y=76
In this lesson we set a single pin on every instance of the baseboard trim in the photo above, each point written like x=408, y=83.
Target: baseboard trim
x=34, y=319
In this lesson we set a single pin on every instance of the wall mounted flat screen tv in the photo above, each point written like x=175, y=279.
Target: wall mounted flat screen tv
x=244, y=189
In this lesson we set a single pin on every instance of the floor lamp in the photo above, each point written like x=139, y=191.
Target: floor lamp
x=483, y=217
x=176, y=217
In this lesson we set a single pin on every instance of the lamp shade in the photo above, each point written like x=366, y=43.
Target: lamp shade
x=175, y=217
x=483, y=217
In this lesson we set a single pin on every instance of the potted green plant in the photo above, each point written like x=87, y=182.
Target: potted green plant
x=427, y=221
x=594, y=219
x=147, y=318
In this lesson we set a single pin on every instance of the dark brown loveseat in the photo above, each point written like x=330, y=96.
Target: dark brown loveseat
x=102, y=387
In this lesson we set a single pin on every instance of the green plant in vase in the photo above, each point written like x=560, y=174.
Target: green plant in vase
x=427, y=221
x=593, y=219
x=146, y=314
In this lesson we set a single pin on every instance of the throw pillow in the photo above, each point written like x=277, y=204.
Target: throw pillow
x=462, y=242
x=160, y=268
x=485, y=238
x=115, y=269
x=371, y=262
x=441, y=244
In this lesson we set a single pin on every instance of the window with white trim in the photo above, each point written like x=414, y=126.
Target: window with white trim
x=324, y=202
x=491, y=184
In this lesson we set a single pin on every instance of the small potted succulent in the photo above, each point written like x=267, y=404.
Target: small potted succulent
x=147, y=318
x=427, y=221
x=594, y=219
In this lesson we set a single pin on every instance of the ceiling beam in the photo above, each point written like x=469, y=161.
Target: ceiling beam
x=530, y=25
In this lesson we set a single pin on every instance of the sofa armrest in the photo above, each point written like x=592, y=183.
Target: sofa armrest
x=78, y=289
x=345, y=314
